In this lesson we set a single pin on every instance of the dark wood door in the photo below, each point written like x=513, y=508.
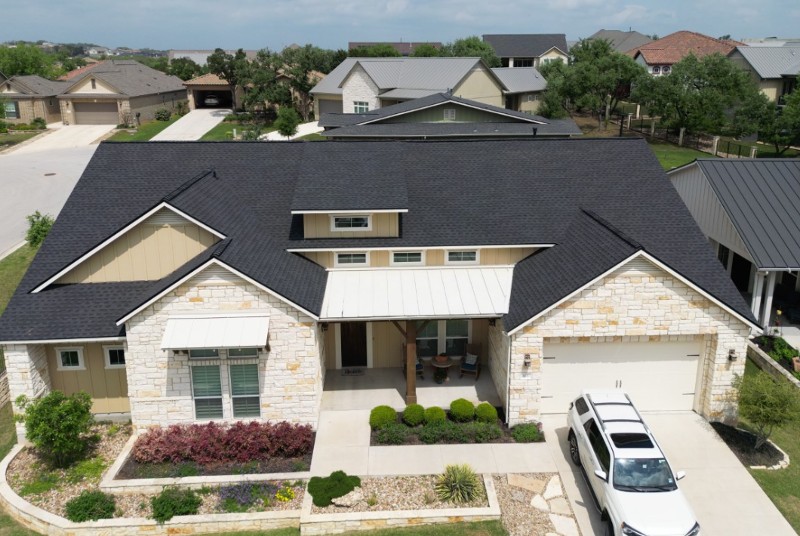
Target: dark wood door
x=354, y=344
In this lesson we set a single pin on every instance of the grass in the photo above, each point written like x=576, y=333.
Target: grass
x=481, y=528
x=145, y=131
x=12, y=268
x=224, y=131
x=313, y=137
x=782, y=486
x=764, y=150
x=671, y=156
x=7, y=140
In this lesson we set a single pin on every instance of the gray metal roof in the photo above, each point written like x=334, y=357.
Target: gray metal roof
x=762, y=198
x=525, y=45
x=772, y=62
x=622, y=41
x=407, y=94
x=521, y=79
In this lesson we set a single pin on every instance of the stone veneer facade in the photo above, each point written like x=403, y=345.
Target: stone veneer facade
x=637, y=303
x=28, y=374
x=359, y=87
x=291, y=372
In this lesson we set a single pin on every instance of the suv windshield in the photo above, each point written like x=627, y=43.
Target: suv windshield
x=643, y=474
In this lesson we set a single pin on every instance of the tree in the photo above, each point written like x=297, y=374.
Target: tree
x=554, y=102
x=38, y=226
x=299, y=66
x=287, y=121
x=185, y=68
x=777, y=125
x=233, y=68
x=263, y=78
x=470, y=47
x=25, y=60
x=425, y=50
x=381, y=50
x=766, y=404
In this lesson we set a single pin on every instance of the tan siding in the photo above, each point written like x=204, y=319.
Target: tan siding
x=146, y=252
x=148, y=104
x=504, y=256
x=387, y=345
x=319, y=226
x=480, y=86
x=434, y=257
x=771, y=88
x=330, y=347
x=379, y=259
x=107, y=387
x=86, y=87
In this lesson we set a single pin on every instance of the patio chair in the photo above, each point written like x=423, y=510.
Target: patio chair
x=420, y=371
x=471, y=363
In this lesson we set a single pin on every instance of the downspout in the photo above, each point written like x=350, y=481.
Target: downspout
x=508, y=377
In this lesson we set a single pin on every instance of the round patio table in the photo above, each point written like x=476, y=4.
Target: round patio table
x=443, y=365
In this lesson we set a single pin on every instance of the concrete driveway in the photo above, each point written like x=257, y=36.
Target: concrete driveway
x=302, y=130
x=192, y=126
x=64, y=137
x=725, y=498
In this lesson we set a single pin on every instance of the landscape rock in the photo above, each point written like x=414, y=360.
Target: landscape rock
x=518, y=496
x=565, y=526
x=539, y=503
x=559, y=505
x=553, y=489
x=525, y=482
x=349, y=500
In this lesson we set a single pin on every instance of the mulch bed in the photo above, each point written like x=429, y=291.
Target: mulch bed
x=135, y=470
x=743, y=443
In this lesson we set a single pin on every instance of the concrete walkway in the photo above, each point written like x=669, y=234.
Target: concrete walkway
x=302, y=130
x=192, y=126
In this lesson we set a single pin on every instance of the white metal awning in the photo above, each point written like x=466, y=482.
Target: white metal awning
x=425, y=293
x=216, y=331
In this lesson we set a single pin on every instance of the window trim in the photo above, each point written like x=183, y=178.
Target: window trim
x=232, y=396
x=191, y=357
x=360, y=104
x=107, y=356
x=60, y=363
x=7, y=106
x=656, y=69
x=462, y=263
x=337, y=264
x=441, y=334
x=393, y=262
x=666, y=69
x=449, y=114
x=235, y=357
x=221, y=396
x=334, y=229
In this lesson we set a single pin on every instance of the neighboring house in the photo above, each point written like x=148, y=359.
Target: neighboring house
x=30, y=96
x=404, y=49
x=234, y=276
x=207, y=85
x=772, y=41
x=750, y=211
x=774, y=68
x=360, y=85
x=200, y=57
x=660, y=55
x=622, y=41
x=524, y=88
x=303, y=101
x=444, y=116
x=528, y=50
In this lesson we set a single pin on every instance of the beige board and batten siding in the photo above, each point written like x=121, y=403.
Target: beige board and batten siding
x=149, y=251
x=108, y=387
x=480, y=86
x=319, y=226
x=433, y=257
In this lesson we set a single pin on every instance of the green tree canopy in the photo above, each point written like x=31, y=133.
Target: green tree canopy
x=266, y=90
x=185, y=68
x=25, y=60
x=470, y=47
x=777, y=125
x=233, y=68
x=766, y=403
x=287, y=121
x=425, y=50
x=381, y=50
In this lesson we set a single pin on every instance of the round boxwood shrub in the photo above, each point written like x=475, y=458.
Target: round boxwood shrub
x=435, y=414
x=90, y=506
x=486, y=412
x=527, y=433
x=462, y=410
x=380, y=416
x=413, y=415
x=174, y=502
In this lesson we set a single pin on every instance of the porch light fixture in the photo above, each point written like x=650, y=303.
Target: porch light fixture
x=492, y=321
x=732, y=355
x=324, y=326
x=526, y=362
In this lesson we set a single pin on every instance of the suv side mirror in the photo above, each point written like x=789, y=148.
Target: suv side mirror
x=599, y=473
x=680, y=474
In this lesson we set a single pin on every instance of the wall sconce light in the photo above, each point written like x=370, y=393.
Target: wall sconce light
x=527, y=361
x=732, y=355
x=492, y=321
x=324, y=326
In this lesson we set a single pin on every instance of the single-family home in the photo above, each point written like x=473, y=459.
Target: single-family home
x=27, y=97
x=210, y=91
x=748, y=210
x=774, y=68
x=660, y=55
x=528, y=50
x=443, y=116
x=402, y=48
x=189, y=282
x=622, y=41
x=524, y=88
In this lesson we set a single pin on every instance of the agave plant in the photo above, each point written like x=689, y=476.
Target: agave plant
x=458, y=484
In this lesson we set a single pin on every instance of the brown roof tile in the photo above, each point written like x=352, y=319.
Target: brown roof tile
x=208, y=79
x=674, y=47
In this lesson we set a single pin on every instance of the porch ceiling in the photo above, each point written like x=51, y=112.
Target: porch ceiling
x=424, y=293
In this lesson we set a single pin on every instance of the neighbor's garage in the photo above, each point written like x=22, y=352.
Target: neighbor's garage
x=659, y=376
x=96, y=113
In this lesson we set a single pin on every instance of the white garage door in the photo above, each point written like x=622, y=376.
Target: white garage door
x=96, y=113
x=658, y=376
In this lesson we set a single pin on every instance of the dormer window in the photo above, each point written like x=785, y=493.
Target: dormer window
x=656, y=70
x=449, y=114
x=94, y=83
x=665, y=69
x=355, y=222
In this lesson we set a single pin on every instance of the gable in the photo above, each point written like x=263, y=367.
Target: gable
x=480, y=85
x=463, y=114
x=149, y=251
x=85, y=86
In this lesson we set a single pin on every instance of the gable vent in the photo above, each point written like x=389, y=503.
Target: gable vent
x=639, y=265
x=215, y=275
x=165, y=217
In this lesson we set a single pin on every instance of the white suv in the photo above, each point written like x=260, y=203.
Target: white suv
x=635, y=489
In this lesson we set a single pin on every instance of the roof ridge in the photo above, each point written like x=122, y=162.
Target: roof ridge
x=616, y=231
x=188, y=184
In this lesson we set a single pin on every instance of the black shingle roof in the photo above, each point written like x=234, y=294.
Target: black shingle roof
x=458, y=193
x=525, y=45
x=557, y=127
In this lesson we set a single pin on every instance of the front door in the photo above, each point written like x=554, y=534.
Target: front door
x=354, y=344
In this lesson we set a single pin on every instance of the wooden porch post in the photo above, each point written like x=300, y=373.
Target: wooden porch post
x=411, y=362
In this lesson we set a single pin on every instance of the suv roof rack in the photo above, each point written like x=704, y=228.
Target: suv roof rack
x=615, y=403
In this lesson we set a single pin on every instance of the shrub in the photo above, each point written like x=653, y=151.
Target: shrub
x=462, y=410
x=285, y=494
x=90, y=506
x=56, y=424
x=458, y=484
x=287, y=121
x=162, y=114
x=413, y=415
x=766, y=404
x=435, y=414
x=527, y=433
x=239, y=497
x=486, y=412
x=173, y=502
x=392, y=434
x=380, y=416
x=443, y=432
x=38, y=226
x=39, y=123
x=324, y=489
x=483, y=432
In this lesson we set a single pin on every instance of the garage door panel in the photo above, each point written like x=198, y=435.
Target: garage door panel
x=658, y=376
x=96, y=113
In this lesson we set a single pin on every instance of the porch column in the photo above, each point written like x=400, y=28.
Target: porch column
x=771, y=276
x=758, y=288
x=411, y=362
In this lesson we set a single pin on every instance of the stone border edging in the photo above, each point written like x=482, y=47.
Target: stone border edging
x=768, y=365
x=783, y=464
x=356, y=521
x=154, y=485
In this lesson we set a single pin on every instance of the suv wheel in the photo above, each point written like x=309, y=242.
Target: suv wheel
x=573, y=448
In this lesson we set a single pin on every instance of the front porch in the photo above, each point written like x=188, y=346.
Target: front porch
x=387, y=386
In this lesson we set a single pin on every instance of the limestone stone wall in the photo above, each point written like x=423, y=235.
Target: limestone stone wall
x=636, y=303
x=359, y=87
x=498, y=358
x=28, y=374
x=291, y=372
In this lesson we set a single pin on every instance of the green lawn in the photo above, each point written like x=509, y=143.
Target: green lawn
x=483, y=528
x=224, y=131
x=313, y=137
x=672, y=156
x=145, y=131
x=764, y=150
x=12, y=268
x=7, y=140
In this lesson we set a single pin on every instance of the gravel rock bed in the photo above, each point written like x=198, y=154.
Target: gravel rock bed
x=518, y=516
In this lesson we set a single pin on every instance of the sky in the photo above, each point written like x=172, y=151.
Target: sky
x=274, y=24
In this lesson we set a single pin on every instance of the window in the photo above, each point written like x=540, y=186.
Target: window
x=428, y=339
x=70, y=358
x=204, y=353
x=115, y=356
x=243, y=352
x=532, y=97
x=351, y=223
x=351, y=259
x=523, y=62
x=448, y=336
x=360, y=107
x=656, y=69
x=723, y=254
x=244, y=390
x=408, y=258
x=598, y=445
x=207, y=392
x=581, y=406
x=462, y=257
x=665, y=69
x=449, y=114
x=457, y=337
x=12, y=110
x=94, y=83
